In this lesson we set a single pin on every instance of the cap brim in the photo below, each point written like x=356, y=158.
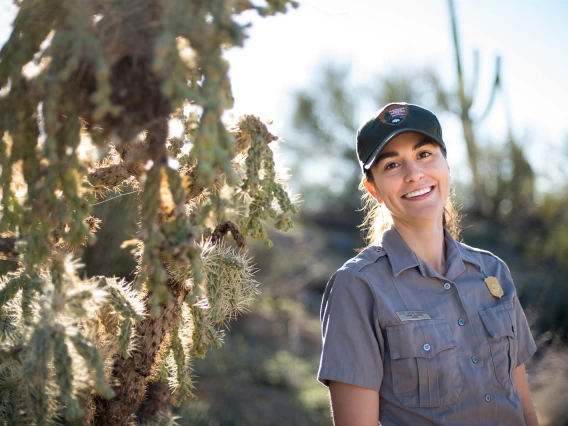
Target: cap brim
x=384, y=143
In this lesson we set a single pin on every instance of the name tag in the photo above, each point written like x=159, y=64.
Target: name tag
x=412, y=315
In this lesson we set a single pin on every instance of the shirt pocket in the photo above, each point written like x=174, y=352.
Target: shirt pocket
x=501, y=334
x=425, y=370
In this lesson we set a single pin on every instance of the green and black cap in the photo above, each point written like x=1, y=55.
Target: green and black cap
x=392, y=120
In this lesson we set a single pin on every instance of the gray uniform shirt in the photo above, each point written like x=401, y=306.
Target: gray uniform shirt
x=440, y=350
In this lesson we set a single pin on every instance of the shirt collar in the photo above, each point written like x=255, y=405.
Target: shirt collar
x=402, y=257
x=454, y=257
x=468, y=255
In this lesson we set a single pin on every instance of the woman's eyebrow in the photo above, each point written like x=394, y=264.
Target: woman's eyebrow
x=384, y=155
x=390, y=154
x=422, y=143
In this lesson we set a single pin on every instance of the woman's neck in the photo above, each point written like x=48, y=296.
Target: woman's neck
x=427, y=243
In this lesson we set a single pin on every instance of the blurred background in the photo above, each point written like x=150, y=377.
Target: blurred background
x=493, y=72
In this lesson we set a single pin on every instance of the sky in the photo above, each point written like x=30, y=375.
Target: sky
x=283, y=53
x=378, y=37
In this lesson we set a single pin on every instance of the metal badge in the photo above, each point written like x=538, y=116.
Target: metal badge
x=494, y=287
x=412, y=315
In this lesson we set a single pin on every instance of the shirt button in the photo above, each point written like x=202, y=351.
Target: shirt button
x=474, y=360
x=488, y=398
x=426, y=347
x=461, y=322
x=447, y=286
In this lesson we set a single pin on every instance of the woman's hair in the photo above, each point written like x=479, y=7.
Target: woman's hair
x=378, y=219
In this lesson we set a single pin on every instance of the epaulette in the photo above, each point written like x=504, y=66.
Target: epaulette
x=480, y=253
x=368, y=256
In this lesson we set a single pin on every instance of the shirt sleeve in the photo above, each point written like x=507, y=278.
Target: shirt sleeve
x=526, y=346
x=352, y=341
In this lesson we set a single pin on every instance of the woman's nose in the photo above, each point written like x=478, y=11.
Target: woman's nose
x=413, y=172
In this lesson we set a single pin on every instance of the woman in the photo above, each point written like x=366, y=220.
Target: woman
x=422, y=329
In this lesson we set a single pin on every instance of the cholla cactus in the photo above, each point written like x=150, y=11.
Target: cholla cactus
x=111, y=75
x=261, y=183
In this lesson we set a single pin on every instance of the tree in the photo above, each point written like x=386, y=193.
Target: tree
x=108, y=77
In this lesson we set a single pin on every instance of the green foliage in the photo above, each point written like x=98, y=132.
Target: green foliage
x=64, y=375
x=90, y=354
x=230, y=286
x=261, y=184
x=182, y=383
x=106, y=78
x=205, y=334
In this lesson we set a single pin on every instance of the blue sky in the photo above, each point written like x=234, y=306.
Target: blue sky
x=378, y=37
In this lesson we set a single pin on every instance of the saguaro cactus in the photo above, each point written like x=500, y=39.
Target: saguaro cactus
x=111, y=75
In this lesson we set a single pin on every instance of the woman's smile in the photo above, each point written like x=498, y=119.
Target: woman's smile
x=417, y=195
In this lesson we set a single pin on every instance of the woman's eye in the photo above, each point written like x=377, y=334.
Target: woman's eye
x=390, y=166
x=424, y=154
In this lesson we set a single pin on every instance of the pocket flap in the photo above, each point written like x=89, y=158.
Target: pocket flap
x=420, y=339
x=499, y=320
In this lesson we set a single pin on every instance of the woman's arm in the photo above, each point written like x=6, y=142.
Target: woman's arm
x=522, y=383
x=353, y=405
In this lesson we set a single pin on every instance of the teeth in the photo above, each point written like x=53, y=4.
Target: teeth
x=419, y=192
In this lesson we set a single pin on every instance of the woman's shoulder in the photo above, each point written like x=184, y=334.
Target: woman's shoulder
x=356, y=274
x=478, y=252
x=366, y=257
x=485, y=258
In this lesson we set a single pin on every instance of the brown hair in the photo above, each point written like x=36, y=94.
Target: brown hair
x=378, y=220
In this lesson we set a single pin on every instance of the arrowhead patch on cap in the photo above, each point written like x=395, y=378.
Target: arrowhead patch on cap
x=494, y=287
x=394, y=114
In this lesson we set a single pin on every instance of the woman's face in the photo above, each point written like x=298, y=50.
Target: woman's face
x=411, y=176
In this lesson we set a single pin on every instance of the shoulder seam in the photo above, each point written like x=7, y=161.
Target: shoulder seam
x=380, y=253
x=478, y=250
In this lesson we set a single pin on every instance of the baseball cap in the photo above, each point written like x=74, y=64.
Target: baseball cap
x=394, y=119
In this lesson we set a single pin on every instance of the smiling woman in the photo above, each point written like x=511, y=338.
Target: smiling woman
x=419, y=328
x=411, y=177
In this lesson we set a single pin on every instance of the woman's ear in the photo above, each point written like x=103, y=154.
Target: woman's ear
x=372, y=190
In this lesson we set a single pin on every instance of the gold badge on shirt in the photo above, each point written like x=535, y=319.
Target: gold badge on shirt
x=494, y=287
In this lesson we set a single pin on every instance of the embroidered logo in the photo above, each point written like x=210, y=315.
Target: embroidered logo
x=394, y=114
